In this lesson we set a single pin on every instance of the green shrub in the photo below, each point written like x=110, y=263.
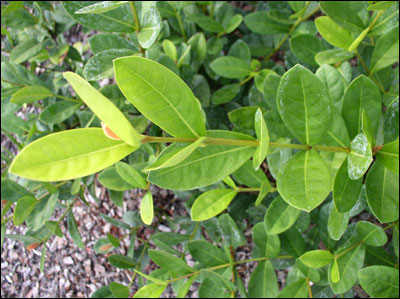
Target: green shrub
x=280, y=115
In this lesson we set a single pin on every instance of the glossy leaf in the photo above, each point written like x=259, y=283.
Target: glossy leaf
x=108, y=41
x=68, y=155
x=150, y=291
x=146, y=208
x=380, y=281
x=211, y=203
x=74, y=232
x=175, y=157
x=23, y=209
x=391, y=121
x=116, y=20
x=101, y=7
x=130, y=175
x=335, y=272
x=383, y=193
x=147, y=84
x=333, y=56
x=337, y=223
x=210, y=160
x=230, y=67
x=361, y=94
x=304, y=105
x=304, y=180
x=206, y=253
x=170, y=49
x=104, y=109
x=151, y=25
x=335, y=83
x=263, y=282
x=333, y=33
x=371, y=234
x=386, y=51
x=30, y=94
x=388, y=155
x=260, y=22
x=280, y=216
x=317, y=258
x=169, y=262
x=367, y=128
x=345, y=190
x=263, y=137
x=360, y=157
x=305, y=46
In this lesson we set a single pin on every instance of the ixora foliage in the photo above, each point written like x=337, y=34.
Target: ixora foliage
x=253, y=119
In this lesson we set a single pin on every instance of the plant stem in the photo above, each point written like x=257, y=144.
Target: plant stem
x=67, y=98
x=14, y=83
x=196, y=228
x=348, y=249
x=309, y=287
x=137, y=22
x=178, y=17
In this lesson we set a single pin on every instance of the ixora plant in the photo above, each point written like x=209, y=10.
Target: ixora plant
x=315, y=138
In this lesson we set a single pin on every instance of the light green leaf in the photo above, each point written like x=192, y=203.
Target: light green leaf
x=146, y=208
x=345, y=190
x=29, y=94
x=170, y=49
x=54, y=227
x=297, y=289
x=119, y=290
x=130, y=175
x=371, y=234
x=233, y=23
x=58, y=112
x=147, y=84
x=361, y=94
x=228, y=181
x=345, y=276
x=246, y=175
x=68, y=155
x=265, y=245
x=381, y=5
x=150, y=291
x=265, y=189
x=263, y=282
x=386, y=51
x=206, y=253
x=317, y=258
x=121, y=261
x=337, y=223
x=111, y=179
x=360, y=157
x=305, y=46
x=333, y=56
x=23, y=209
x=260, y=22
x=225, y=94
x=104, y=109
x=380, y=281
x=151, y=25
x=101, y=7
x=100, y=65
x=73, y=231
x=388, y=155
x=211, y=203
x=304, y=180
x=304, y=105
x=382, y=186
x=175, y=157
x=263, y=137
x=209, y=160
x=334, y=82
x=230, y=67
x=367, y=128
x=343, y=13
x=116, y=20
x=151, y=278
x=333, y=33
x=169, y=262
x=26, y=50
x=280, y=216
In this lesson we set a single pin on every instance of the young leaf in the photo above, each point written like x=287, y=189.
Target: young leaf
x=304, y=105
x=151, y=278
x=175, y=157
x=210, y=160
x=263, y=138
x=265, y=189
x=335, y=274
x=333, y=33
x=23, y=209
x=101, y=7
x=211, y=203
x=104, y=109
x=317, y=258
x=371, y=234
x=121, y=261
x=73, y=231
x=147, y=84
x=233, y=23
x=337, y=223
x=29, y=94
x=333, y=56
x=169, y=262
x=150, y=291
x=388, y=155
x=119, y=290
x=170, y=49
x=304, y=180
x=206, y=253
x=69, y=154
x=367, y=128
x=151, y=25
x=146, y=208
x=361, y=94
x=263, y=282
x=345, y=190
x=383, y=192
x=280, y=216
x=130, y=175
x=386, y=51
x=360, y=157
x=230, y=67
x=380, y=281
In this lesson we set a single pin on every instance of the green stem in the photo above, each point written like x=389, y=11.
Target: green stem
x=348, y=249
x=138, y=265
x=246, y=79
x=196, y=228
x=178, y=17
x=137, y=22
x=67, y=98
x=14, y=83
x=309, y=287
